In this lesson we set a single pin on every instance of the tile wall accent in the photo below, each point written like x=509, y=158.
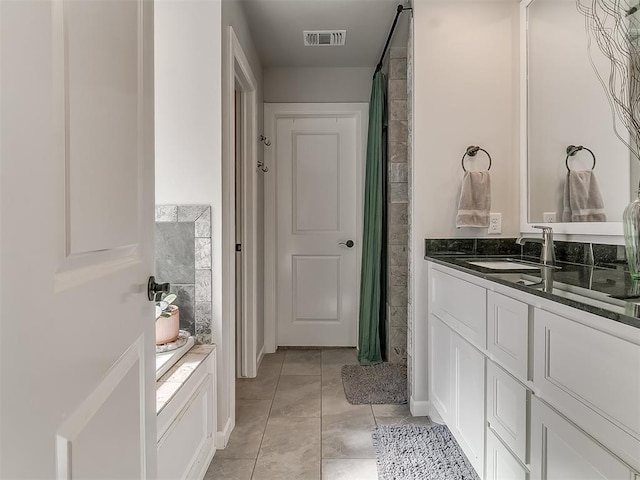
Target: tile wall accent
x=398, y=207
x=183, y=258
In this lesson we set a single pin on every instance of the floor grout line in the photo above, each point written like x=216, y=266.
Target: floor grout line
x=321, y=405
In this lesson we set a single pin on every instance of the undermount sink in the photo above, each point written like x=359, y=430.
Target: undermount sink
x=504, y=265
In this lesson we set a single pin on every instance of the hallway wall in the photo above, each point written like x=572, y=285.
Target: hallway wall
x=317, y=84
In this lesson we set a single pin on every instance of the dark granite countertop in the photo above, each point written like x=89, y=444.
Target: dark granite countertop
x=607, y=291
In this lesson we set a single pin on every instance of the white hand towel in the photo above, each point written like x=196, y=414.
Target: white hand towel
x=475, y=200
x=582, y=198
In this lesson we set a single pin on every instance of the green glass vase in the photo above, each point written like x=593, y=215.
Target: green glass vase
x=631, y=225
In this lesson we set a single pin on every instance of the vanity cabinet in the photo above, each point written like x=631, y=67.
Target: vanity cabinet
x=187, y=417
x=549, y=392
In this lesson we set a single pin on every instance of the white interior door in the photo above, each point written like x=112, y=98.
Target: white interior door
x=76, y=197
x=318, y=181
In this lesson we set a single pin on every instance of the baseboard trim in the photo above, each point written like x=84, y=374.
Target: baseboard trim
x=419, y=408
x=259, y=359
x=222, y=437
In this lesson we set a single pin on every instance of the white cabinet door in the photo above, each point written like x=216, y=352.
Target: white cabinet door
x=468, y=399
x=507, y=409
x=508, y=333
x=457, y=386
x=440, y=378
x=501, y=464
x=560, y=451
x=593, y=377
x=78, y=341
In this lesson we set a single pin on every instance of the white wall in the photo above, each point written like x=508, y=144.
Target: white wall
x=188, y=107
x=188, y=110
x=465, y=93
x=317, y=85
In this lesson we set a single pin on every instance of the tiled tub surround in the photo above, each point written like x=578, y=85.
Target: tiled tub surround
x=183, y=258
x=605, y=289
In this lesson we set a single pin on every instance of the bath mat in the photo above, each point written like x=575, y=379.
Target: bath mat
x=417, y=452
x=384, y=383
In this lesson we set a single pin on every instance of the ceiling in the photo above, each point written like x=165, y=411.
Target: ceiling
x=277, y=25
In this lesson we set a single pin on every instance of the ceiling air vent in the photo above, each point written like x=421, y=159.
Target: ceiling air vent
x=324, y=38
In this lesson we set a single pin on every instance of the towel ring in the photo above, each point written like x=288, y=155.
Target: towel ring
x=573, y=149
x=472, y=151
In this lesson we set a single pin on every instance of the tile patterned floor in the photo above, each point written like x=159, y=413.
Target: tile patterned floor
x=293, y=422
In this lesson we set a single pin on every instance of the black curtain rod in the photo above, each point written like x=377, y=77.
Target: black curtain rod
x=399, y=10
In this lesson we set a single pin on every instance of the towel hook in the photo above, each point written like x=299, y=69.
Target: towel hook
x=573, y=149
x=265, y=140
x=472, y=151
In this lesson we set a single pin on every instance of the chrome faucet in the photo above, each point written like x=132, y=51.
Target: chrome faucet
x=548, y=254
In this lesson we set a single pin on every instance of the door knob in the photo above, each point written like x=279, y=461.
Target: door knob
x=153, y=288
x=348, y=243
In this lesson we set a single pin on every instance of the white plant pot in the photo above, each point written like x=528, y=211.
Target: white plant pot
x=168, y=328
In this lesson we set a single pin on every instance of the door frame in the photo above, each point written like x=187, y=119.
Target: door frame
x=272, y=113
x=240, y=73
x=237, y=70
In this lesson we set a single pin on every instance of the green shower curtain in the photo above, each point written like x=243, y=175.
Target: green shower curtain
x=372, y=256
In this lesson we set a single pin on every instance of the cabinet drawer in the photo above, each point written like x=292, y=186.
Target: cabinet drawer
x=560, y=451
x=507, y=409
x=460, y=304
x=501, y=464
x=593, y=377
x=508, y=333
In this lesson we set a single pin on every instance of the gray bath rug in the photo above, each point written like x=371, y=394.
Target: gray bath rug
x=417, y=452
x=384, y=383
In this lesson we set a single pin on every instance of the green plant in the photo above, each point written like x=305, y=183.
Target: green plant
x=162, y=306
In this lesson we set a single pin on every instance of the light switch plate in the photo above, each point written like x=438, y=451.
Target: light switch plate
x=549, y=217
x=495, y=223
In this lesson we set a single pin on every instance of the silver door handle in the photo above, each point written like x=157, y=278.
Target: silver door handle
x=348, y=243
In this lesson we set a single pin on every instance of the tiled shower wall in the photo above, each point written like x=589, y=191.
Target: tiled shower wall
x=398, y=208
x=410, y=369
x=183, y=258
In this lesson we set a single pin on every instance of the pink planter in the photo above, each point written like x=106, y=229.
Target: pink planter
x=168, y=328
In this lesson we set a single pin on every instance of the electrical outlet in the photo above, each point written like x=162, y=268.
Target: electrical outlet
x=549, y=217
x=495, y=223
